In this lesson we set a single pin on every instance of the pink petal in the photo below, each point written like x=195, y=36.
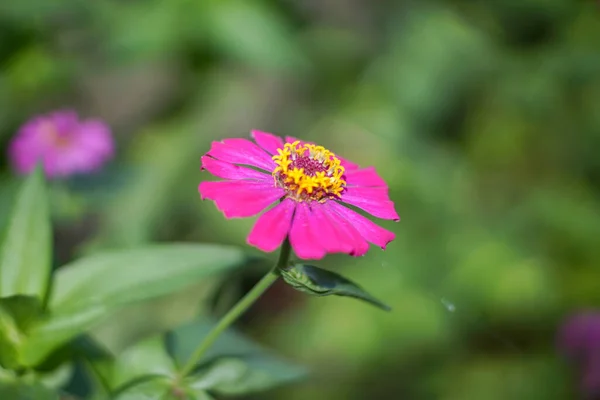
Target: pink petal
x=364, y=177
x=267, y=141
x=367, y=228
x=347, y=232
x=240, y=198
x=272, y=227
x=227, y=170
x=241, y=151
x=374, y=200
x=303, y=235
x=348, y=165
x=330, y=237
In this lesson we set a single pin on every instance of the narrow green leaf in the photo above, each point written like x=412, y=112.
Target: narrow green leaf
x=25, y=253
x=88, y=290
x=234, y=364
x=116, y=278
x=320, y=282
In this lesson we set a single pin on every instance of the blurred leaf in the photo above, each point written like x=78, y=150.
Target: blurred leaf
x=26, y=387
x=156, y=389
x=20, y=391
x=57, y=378
x=25, y=252
x=147, y=358
x=237, y=365
x=233, y=376
x=142, y=273
x=17, y=314
x=25, y=310
x=161, y=389
x=253, y=33
x=10, y=340
x=87, y=290
x=320, y=282
x=143, y=30
x=57, y=330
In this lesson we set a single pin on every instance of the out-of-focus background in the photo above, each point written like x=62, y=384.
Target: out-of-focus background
x=483, y=116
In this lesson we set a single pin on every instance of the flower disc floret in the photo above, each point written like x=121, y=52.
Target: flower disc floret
x=308, y=172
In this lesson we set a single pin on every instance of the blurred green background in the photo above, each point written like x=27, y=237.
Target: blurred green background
x=483, y=116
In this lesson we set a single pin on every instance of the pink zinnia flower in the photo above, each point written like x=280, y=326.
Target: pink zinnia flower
x=311, y=188
x=62, y=143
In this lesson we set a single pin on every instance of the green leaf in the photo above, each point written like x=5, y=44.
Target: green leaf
x=21, y=391
x=320, y=282
x=156, y=389
x=147, y=358
x=162, y=389
x=10, y=340
x=17, y=313
x=234, y=364
x=25, y=253
x=25, y=310
x=116, y=278
x=56, y=330
x=88, y=290
x=234, y=376
x=26, y=387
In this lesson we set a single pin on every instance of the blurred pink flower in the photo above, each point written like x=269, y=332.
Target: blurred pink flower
x=579, y=340
x=311, y=187
x=63, y=144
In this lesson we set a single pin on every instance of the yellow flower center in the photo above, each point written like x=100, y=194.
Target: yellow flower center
x=308, y=172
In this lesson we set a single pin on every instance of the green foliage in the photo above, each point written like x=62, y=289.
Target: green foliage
x=233, y=366
x=84, y=292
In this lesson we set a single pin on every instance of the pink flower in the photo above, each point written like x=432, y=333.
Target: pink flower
x=64, y=145
x=311, y=188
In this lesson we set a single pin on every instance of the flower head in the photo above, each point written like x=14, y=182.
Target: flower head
x=62, y=143
x=311, y=189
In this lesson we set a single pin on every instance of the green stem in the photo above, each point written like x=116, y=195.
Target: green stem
x=237, y=310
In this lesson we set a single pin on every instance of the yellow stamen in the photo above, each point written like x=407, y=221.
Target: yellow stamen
x=308, y=172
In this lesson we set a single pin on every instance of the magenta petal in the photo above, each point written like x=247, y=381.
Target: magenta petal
x=303, y=236
x=225, y=170
x=332, y=239
x=272, y=227
x=364, y=177
x=374, y=200
x=347, y=232
x=367, y=228
x=241, y=151
x=348, y=165
x=240, y=198
x=267, y=141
